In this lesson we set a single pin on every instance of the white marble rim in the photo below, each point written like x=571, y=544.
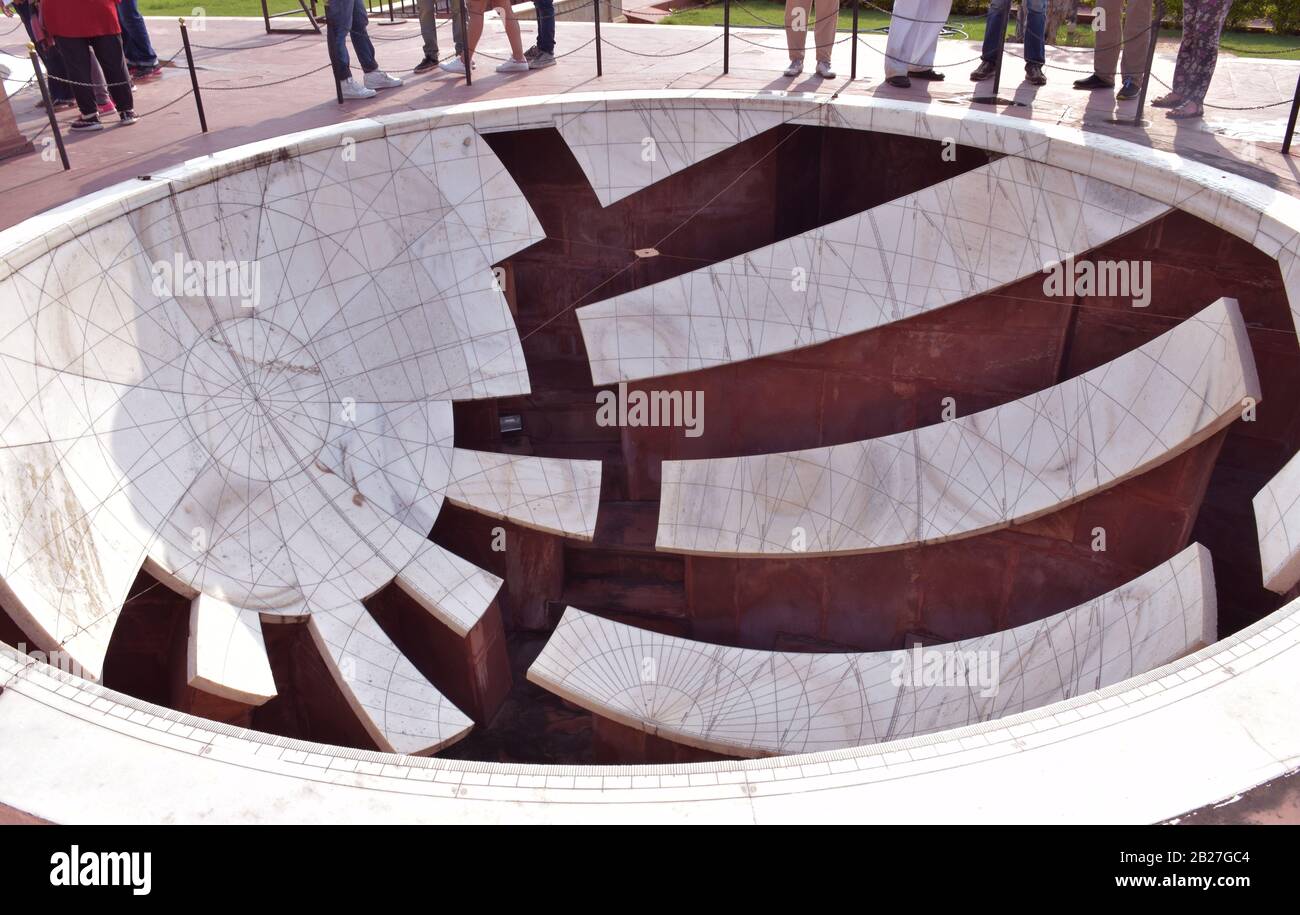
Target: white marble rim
x=1266, y=218
x=1204, y=668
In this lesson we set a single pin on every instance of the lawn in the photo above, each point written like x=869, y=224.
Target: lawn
x=767, y=13
x=216, y=7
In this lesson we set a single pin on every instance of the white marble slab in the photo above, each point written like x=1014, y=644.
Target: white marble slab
x=974, y=473
x=964, y=236
x=758, y=703
x=624, y=147
x=402, y=711
x=1277, y=521
x=550, y=494
x=226, y=652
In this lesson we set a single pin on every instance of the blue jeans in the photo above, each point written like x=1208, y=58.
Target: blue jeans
x=1035, y=30
x=545, y=25
x=344, y=18
x=135, y=36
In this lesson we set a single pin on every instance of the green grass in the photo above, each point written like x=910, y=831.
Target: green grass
x=768, y=13
x=216, y=7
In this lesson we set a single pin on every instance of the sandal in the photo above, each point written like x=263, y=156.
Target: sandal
x=1186, y=112
x=1169, y=100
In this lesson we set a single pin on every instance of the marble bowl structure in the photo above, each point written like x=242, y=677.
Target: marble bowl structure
x=255, y=379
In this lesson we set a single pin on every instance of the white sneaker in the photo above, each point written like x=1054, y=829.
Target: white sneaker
x=824, y=70
x=353, y=89
x=455, y=65
x=513, y=66
x=378, y=79
x=795, y=68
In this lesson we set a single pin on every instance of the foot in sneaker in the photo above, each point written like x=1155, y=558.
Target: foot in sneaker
x=824, y=70
x=425, y=65
x=984, y=71
x=86, y=122
x=353, y=89
x=513, y=66
x=127, y=118
x=378, y=79
x=107, y=108
x=1131, y=89
x=455, y=65
x=1034, y=75
x=795, y=68
x=145, y=72
x=532, y=52
x=543, y=59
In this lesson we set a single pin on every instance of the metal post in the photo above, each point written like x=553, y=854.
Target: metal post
x=596, y=6
x=997, y=73
x=1151, y=59
x=1290, y=124
x=853, y=67
x=726, y=37
x=194, y=77
x=49, y=105
x=464, y=31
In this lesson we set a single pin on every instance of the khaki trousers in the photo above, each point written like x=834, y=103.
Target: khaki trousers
x=1133, y=34
x=828, y=13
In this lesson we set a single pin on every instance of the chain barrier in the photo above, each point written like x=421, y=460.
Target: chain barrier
x=949, y=29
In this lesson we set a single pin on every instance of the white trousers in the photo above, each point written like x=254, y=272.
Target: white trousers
x=912, y=44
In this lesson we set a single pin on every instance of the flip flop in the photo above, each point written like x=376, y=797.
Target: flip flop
x=1168, y=101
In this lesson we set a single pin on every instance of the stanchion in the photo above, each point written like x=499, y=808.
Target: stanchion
x=1151, y=59
x=194, y=76
x=997, y=73
x=49, y=105
x=464, y=31
x=853, y=66
x=1290, y=124
x=596, y=6
x=726, y=37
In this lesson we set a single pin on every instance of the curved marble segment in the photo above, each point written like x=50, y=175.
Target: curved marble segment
x=247, y=385
x=624, y=147
x=402, y=711
x=454, y=590
x=744, y=702
x=964, y=236
x=1277, y=520
x=551, y=494
x=1288, y=261
x=976, y=473
x=226, y=653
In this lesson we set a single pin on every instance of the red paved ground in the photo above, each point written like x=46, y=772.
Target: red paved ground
x=237, y=61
